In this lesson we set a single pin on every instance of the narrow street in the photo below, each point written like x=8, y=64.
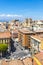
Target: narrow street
x=20, y=51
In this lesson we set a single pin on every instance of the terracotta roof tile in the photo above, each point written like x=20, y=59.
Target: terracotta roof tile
x=27, y=61
x=12, y=62
x=39, y=56
x=5, y=35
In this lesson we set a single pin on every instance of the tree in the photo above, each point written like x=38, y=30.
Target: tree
x=3, y=47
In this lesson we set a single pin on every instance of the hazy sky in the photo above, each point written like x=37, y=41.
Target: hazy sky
x=21, y=8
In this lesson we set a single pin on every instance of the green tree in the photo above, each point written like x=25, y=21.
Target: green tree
x=3, y=48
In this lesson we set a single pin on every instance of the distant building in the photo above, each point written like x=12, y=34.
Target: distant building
x=14, y=24
x=37, y=25
x=27, y=22
x=14, y=33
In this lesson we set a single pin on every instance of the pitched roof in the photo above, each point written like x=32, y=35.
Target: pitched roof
x=18, y=62
x=39, y=56
x=5, y=34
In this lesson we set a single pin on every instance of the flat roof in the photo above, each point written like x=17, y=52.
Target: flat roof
x=38, y=37
x=39, y=31
x=25, y=31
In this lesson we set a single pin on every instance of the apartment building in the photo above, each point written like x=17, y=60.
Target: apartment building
x=24, y=37
x=37, y=42
x=35, y=45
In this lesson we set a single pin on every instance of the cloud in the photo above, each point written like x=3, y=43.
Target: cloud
x=2, y=15
x=10, y=15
